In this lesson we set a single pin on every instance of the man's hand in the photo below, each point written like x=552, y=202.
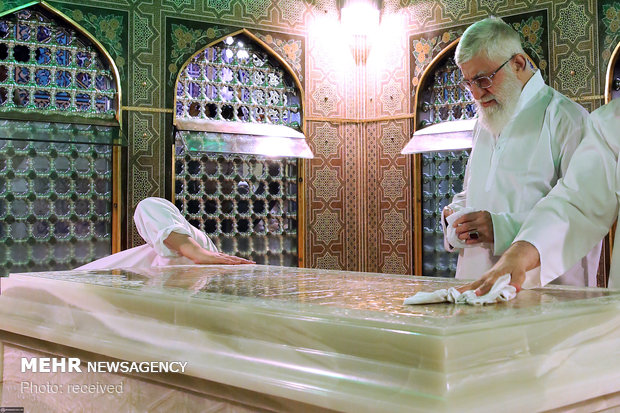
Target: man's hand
x=519, y=258
x=475, y=227
x=210, y=257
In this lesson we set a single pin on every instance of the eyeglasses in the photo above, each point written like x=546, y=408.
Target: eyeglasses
x=483, y=82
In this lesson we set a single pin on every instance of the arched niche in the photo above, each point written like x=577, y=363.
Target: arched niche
x=612, y=91
x=612, y=79
x=239, y=144
x=437, y=175
x=438, y=168
x=59, y=142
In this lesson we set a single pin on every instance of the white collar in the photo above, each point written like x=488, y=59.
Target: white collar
x=531, y=88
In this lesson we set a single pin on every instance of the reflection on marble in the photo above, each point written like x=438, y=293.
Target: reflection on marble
x=332, y=339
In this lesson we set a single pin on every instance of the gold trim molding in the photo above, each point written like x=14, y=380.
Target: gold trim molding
x=147, y=109
x=353, y=120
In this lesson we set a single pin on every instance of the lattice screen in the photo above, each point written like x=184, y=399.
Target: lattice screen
x=246, y=204
x=55, y=205
x=46, y=66
x=236, y=81
x=55, y=198
x=442, y=172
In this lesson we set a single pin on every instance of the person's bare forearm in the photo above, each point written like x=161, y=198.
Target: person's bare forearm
x=189, y=248
x=183, y=245
x=526, y=253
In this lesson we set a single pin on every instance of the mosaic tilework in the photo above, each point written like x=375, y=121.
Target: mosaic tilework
x=570, y=31
x=291, y=11
x=395, y=197
x=608, y=32
x=289, y=49
x=145, y=163
x=573, y=22
x=146, y=167
x=393, y=226
x=326, y=141
x=326, y=184
x=371, y=261
x=423, y=50
x=392, y=98
x=110, y=28
x=145, y=36
x=392, y=213
x=142, y=34
x=257, y=8
x=393, y=183
x=324, y=247
x=186, y=41
x=326, y=99
x=328, y=261
x=574, y=61
x=353, y=179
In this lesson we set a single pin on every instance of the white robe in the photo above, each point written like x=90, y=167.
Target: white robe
x=583, y=206
x=155, y=219
x=507, y=176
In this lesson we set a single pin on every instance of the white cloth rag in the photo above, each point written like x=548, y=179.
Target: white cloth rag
x=450, y=231
x=501, y=291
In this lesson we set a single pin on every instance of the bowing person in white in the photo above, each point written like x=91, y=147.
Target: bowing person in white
x=573, y=217
x=170, y=240
x=524, y=138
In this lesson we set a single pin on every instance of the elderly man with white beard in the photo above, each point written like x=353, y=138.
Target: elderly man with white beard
x=524, y=138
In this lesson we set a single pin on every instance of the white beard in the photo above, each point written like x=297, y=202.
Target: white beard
x=496, y=117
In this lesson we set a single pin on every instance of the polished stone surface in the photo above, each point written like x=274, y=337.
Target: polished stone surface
x=332, y=339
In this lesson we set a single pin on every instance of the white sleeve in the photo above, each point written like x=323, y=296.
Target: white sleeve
x=155, y=219
x=578, y=211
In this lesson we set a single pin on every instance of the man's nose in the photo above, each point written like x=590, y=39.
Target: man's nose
x=477, y=92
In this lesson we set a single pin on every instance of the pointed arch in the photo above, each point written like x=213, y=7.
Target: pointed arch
x=242, y=109
x=614, y=61
x=281, y=61
x=61, y=97
x=55, y=13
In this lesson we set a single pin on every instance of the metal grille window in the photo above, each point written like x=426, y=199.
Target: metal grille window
x=246, y=204
x=448, y=100
x=58, y=121
x=55, y=205
x=47, y=67
x=442, y=172
x=238, y=120
x=236, y=81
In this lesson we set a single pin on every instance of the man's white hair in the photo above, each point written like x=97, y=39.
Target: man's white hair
x=490, y=37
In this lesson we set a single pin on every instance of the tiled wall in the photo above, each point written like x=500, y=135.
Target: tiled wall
x=358, y=188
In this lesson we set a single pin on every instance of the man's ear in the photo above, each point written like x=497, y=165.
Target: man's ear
x=520, y=62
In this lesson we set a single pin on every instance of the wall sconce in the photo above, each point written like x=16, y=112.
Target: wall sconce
x=360, y=22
